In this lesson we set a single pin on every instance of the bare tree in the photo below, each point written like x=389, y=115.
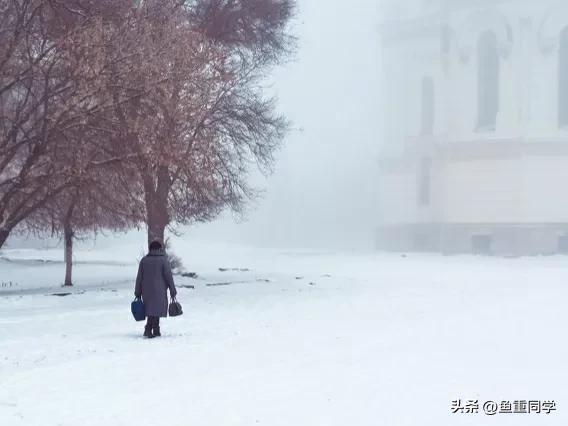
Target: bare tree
x=175, y=87
x=29, y=87
x=40, y=102
x=51, y=76
x=204, y=118
x=98, y=197
x=99, y=194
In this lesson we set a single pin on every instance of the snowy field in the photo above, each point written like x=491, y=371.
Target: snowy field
x=288, y=338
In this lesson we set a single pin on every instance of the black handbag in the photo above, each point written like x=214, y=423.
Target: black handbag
x=175, y=309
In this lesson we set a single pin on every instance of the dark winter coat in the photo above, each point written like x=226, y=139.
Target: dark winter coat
x=153, y=280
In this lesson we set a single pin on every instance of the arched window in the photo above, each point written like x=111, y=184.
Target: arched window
x=563, y=79
x=488, y=81
x=428, y=106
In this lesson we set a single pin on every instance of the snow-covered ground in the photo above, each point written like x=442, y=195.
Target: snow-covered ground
x=298, y=338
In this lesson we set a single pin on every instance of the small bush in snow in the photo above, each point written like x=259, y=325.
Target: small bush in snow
x=175, y=263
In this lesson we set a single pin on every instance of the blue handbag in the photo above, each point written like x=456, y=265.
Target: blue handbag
x=138, y=309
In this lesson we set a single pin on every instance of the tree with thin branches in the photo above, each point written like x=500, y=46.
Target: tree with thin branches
x=201, y=118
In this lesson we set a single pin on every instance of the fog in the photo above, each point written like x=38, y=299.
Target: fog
x=406, y=247
x=417, y=126
x=475, y=119
x=323, y=192
x=323, y=189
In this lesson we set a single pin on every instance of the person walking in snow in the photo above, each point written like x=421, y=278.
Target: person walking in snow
x=152, y=283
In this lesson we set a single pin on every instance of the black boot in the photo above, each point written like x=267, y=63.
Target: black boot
x=148, y=331
x=156, y=327
x=148, y=328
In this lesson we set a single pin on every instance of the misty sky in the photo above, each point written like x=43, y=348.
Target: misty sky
x=322, y=193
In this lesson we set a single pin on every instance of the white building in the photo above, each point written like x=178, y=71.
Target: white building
x=476, y=146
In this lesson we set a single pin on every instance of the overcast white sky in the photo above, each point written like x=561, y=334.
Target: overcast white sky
x=323, y=191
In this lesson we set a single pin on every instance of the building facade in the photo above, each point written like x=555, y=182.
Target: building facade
x=475, y=153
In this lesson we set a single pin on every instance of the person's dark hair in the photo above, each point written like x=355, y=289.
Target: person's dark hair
x=155, y=245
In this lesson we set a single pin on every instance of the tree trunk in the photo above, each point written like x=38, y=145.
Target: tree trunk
x=68, y=235
x=156, y=230
x=4, y=233
x=156, y=198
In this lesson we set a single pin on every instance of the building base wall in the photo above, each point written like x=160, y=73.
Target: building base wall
x=486, y=239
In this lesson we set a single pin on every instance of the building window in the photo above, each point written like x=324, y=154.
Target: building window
x=563, y=79
x=424, y=183
x=428, y=106
x=488, y=82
